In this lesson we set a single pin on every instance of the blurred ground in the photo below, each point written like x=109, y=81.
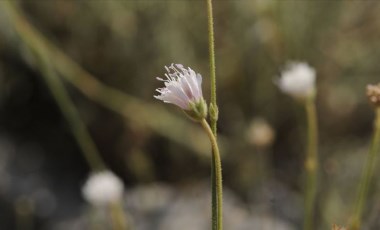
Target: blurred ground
x=125, y=45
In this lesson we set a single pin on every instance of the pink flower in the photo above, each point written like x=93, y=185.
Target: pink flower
x=183, y=87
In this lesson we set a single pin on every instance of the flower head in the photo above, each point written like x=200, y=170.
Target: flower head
x=260, y=133
x=183, y=87
x=103, y=188
x=336, y=227
x=298, y=80
x=373, y=94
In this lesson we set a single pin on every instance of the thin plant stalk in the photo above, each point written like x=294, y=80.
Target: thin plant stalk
x=118, y=217
x=217, y=223
x=94, y=217
x=311, y=162
x=24, y=213
x=264, y=173
x=216, y=206
x=367, y=175
x=213, y=105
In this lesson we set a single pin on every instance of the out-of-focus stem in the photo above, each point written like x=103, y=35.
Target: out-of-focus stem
x=94, y=220
x=217, y=219
x=367, y=175
x=311, y=162
x=118, y=217
x=24, y=211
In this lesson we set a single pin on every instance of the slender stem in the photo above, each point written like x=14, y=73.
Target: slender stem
x=311, y=162
x=367, y=175
x=118, y=217
x=213, y=105
x=217, y=186
x=24, y=213
x=213, y=111
x=94, y=219
x=263, y=169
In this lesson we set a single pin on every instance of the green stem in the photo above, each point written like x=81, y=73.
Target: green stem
x=217, y=187
x=118, y=217
x=94, y=219
x=24, y=213
x=367, y=175
x=311, y=163
x=59, y=93
x=213, y=110
x=213, y=105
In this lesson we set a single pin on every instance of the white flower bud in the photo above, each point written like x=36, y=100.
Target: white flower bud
x=373, y=94
x=260, y=133
x=298, y=80
x=103, y=188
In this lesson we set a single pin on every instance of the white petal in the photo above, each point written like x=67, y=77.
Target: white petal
x=178, y=91
x=171, y=98
x=194, y=84
x=187, y=87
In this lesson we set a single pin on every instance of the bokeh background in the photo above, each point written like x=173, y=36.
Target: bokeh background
x=104, y=56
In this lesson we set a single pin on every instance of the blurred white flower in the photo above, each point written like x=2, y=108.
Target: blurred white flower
x=336, y=227
x=373, y=94
x=103, y=188
x=260, y=133
x=182, y=87
x=298, y=80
